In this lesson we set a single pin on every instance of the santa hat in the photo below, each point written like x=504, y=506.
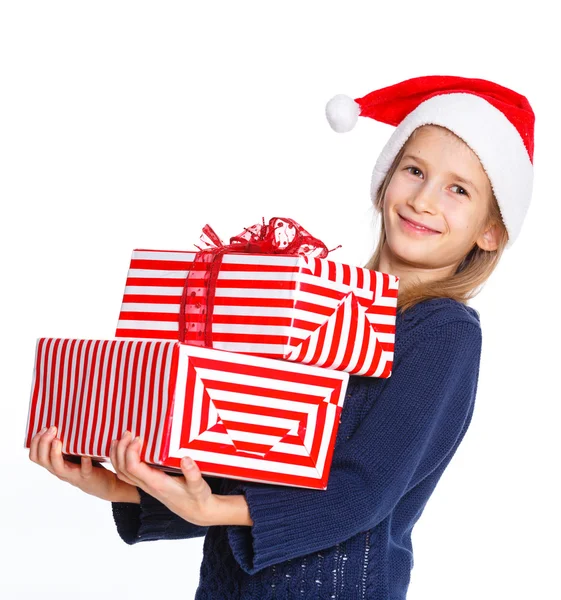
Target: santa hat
x=494, y=121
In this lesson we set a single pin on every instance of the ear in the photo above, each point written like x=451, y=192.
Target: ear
x=489, y=239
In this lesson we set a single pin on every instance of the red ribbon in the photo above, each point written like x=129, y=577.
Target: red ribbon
x=279, y=236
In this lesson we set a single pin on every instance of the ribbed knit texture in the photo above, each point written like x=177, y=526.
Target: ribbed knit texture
x=353, y=540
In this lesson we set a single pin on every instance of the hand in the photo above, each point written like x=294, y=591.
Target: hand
x=45, y=450
x=189, y=496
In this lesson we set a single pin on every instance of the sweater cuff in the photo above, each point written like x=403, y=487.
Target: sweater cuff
x=127, y=519
x=142, y=522
x=240, y=537
x=256, y=547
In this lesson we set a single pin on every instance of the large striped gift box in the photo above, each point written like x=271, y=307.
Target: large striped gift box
x=237, y=416
x=309, y=310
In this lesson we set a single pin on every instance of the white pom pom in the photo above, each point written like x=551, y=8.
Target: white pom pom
x=342, y=113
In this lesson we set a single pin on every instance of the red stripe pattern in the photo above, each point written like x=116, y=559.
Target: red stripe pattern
x=93, y=390
x=238, y=416
x=296, y=308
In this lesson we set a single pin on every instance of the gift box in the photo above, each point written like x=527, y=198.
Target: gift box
x=297, y=308
x=237, y=416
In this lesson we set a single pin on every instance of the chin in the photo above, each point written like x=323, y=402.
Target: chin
x=410, y=246
x=417, y=259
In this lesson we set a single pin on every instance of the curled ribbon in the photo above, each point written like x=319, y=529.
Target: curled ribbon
x=279, y=236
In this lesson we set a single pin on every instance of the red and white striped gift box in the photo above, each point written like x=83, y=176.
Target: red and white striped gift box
x=310, y=310
x=237, y=416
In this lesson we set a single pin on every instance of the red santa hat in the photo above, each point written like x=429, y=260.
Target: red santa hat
x=495, y=122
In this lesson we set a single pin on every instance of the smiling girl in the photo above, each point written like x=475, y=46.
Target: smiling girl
x=441, y=232
x=452, y=187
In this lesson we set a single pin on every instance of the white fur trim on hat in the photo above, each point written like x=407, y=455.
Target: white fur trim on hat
x=342, y=113
x=487, y=131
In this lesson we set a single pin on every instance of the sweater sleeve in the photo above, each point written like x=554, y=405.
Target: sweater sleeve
x=151, y=520
x=409, y=431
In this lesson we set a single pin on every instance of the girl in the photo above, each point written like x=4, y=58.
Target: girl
x=452, y=187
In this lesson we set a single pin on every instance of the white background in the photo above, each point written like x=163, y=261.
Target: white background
x=133, y=124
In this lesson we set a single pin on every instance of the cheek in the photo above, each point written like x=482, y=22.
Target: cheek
x=391, y=197
x=399, y=185
x=457, y=215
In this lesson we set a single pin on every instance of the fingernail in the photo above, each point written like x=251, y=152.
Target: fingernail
x=43, y=430
x=187, y=462
x=52, y=429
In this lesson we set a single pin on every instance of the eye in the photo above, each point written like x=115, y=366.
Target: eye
x=461, y=188
x=414, y=168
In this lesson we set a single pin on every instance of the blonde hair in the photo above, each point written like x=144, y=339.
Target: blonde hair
x=472, y=272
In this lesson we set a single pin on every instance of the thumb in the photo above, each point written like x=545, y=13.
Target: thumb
x=190, y=470
x=86, y=466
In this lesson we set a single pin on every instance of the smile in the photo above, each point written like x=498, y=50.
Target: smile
x=410, y=227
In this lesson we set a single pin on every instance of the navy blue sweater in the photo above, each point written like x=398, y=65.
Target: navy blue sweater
x=353, y=540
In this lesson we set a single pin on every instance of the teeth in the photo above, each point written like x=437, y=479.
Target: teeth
x=418, y=226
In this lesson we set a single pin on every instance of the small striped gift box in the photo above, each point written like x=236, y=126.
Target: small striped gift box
x=237, y=416
x=297, y=308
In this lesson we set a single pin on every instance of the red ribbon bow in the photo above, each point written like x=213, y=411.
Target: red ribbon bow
x=279, y=236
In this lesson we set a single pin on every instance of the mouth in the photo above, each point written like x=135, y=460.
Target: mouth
x=417, y=226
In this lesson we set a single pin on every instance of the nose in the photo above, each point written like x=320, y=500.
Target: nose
x=424, y=197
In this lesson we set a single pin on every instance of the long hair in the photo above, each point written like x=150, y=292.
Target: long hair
x=471, y=273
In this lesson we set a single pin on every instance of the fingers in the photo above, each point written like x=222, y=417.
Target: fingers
x=86, y=466
x=125, y=456
x=56, y=460
x=34, y=446
x=118, y=455
x=121, y=448
x=34, y=443
x=40, y=448
x=46, y=450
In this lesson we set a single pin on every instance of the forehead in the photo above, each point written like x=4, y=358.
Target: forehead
x=439, y=143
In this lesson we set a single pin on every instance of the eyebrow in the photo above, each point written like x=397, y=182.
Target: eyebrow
x=454, y=175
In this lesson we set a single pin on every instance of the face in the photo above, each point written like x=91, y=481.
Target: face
x=441, y=185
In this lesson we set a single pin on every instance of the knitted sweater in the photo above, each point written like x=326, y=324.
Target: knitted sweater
x=353, y=540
